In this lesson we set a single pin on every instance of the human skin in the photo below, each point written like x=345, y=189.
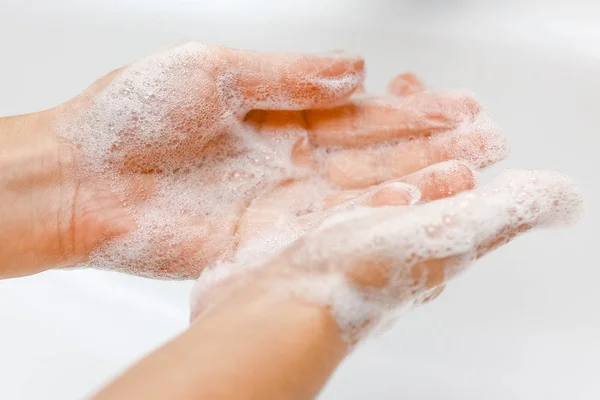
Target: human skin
x=291, y=343
x=251, y=347
x=312, y=343
x=54, y=217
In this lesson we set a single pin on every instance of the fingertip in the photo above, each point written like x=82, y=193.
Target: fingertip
x=334, y=80
x=405, y=84
x=462, y=177
x=546, y=197
x=471, y=107
x=389, y=194
x=395, y=194
x=443, y=179
x=461, y=106
x=478, y=143
x=341, y=64
x=300, y=81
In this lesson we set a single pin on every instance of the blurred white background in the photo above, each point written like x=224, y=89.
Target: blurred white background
x=523, y=324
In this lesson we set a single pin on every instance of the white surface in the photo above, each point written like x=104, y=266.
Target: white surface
x=522, y=325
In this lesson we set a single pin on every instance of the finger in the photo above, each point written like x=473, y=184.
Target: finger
x=298, y=203
x=523, y=200
x=276, y=121
x=393, y=194
x=478, y=146
x=441, y=180
x=386, y=194
x=287, y=124
x=439, y=239
x=435, y=271
x=273, y=227
x=389, y=194
x=435, y=182
x=367, y=121
x=516, y=202
x=295, y=81
x=405, y=84
x=360, y=89
x=381, y=273
x=501, y=239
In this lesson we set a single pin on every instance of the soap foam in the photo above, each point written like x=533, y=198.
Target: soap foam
x=320, y=265
x=177, y=117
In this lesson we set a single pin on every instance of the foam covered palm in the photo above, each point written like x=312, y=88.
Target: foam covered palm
x=184, y=155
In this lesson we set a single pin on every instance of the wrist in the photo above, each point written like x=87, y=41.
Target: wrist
x=298, y=341
x=36, y=190
x=354, y=313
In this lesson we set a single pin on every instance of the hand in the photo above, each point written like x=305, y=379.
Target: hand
x=367, y=265
x=180, y=157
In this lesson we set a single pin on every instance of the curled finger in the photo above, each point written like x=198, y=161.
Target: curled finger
x=372, y=120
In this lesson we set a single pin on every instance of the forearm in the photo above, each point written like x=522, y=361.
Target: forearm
x=33, y=179
x=250, y=347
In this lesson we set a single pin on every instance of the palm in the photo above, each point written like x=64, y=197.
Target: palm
x=188, y=153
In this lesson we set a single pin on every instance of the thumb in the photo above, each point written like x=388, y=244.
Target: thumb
x=283, y=81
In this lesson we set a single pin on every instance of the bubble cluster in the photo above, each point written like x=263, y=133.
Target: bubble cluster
x=188, y=145
x=174, y=122
x=227, y=158
x=370, y=264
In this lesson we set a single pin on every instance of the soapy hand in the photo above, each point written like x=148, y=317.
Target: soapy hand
x=369, y=265
x=178, y=159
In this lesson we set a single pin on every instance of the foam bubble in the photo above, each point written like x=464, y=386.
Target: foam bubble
x=173, y=124
x=178, y=117
x=396, y=248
